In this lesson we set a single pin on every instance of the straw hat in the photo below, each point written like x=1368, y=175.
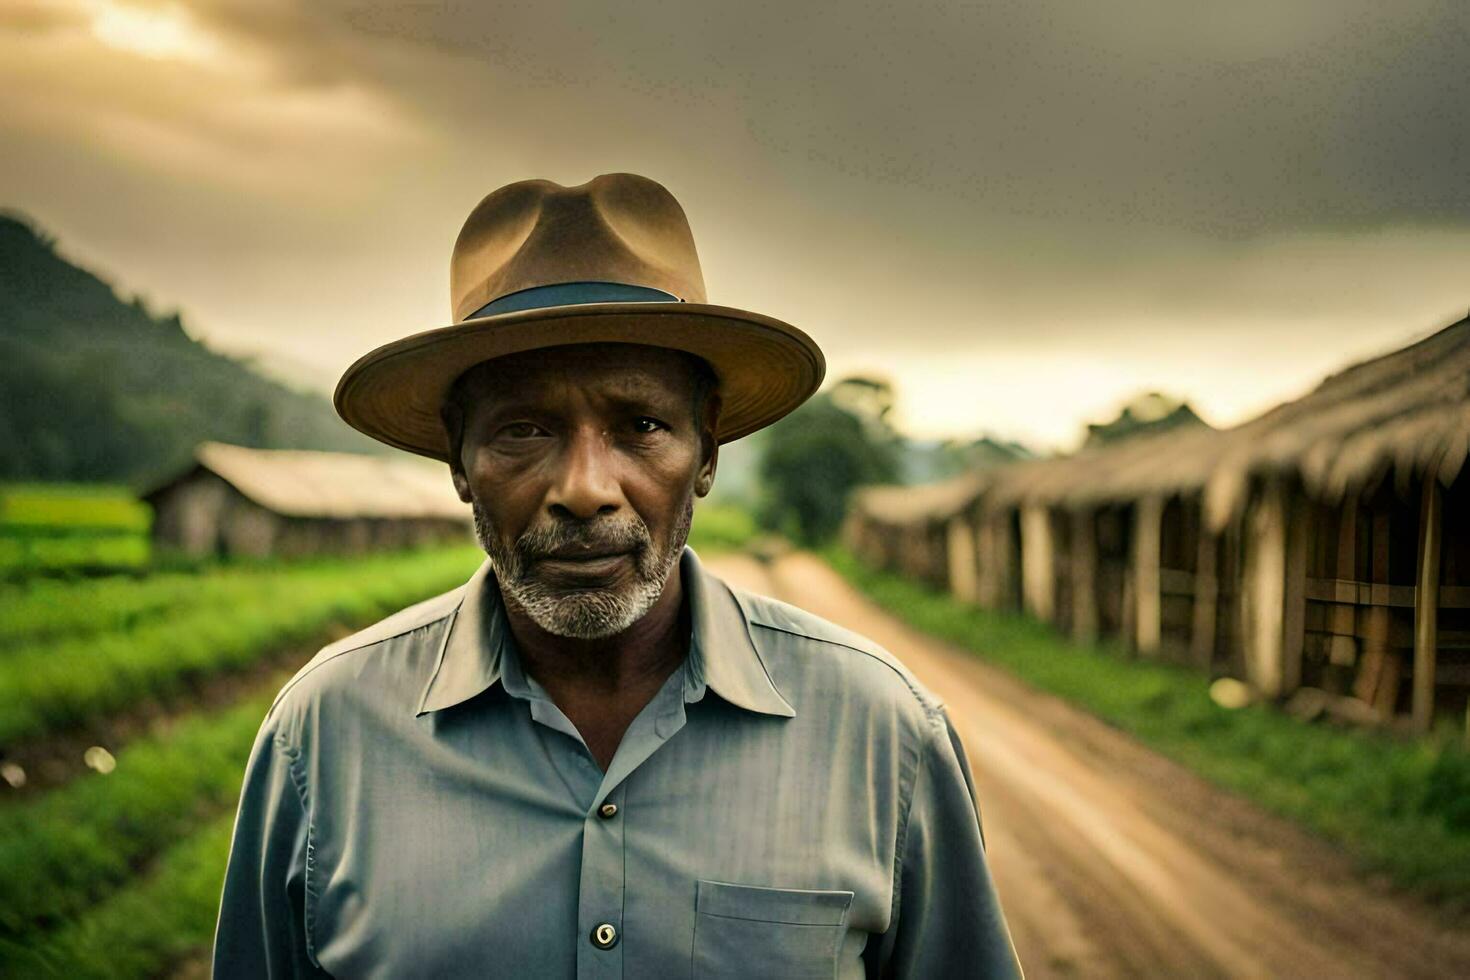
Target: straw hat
x=541, y=265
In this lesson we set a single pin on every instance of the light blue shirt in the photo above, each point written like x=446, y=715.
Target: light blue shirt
x=792, y=803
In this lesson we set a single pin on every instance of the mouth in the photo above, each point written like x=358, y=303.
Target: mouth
x=582, y=554
x=584, y=562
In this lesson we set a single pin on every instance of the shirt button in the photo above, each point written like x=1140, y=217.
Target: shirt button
x=605, y=936
x=607, y=811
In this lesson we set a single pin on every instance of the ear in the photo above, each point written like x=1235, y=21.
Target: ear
x=709, y=445
x=454, y=428
x=461, y=483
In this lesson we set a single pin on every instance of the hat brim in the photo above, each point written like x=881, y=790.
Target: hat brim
x=765, y=367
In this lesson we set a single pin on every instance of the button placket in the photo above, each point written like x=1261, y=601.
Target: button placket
x=601, y=895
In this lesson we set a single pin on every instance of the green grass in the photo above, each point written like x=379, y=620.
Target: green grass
x=63, y=505
x=60, y=527
x=46, y=610
x=1398, y=807
x=143, y=929
x=62, y=682
x=68, y=849
x=72, y=902
x=23, y=555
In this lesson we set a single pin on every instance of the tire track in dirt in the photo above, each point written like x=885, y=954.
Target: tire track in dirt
x=1112, y=861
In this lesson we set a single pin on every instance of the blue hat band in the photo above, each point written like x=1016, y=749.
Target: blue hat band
x=572, y=294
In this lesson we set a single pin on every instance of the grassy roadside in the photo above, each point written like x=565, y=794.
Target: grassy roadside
x=1398, y=807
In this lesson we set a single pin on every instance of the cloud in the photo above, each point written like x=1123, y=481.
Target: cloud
x=1227, y=120
x=1221, y=200
x=155, y=86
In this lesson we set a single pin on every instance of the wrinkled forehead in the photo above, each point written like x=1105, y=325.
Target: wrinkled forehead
x=623, y=370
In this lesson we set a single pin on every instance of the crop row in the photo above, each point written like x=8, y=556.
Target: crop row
x=67, y=850
x=71, y=505
x=53, y=685
x=144, y=928
x=48, y=610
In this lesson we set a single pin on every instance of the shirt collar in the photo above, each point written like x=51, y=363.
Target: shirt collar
x=721, y=654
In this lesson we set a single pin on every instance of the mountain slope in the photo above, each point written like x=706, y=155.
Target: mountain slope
x=94, y=387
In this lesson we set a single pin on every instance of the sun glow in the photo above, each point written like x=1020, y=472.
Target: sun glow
x=163, y=33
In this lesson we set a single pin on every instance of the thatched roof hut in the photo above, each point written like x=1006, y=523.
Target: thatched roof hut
x=1406, y=413
x=304, y=483
x=900, y=506
x=1322, y=543
x=237, y=500
x=1176, y=461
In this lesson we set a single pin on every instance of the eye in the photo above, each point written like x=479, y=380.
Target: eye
x=521, y=430
x=645, y=424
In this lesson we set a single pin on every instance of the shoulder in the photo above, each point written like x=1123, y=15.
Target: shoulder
x=807, y=649
x=382, y=656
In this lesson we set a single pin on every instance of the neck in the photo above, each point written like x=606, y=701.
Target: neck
x=644, y=654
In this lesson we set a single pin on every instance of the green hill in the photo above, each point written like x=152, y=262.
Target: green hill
x=96, y=387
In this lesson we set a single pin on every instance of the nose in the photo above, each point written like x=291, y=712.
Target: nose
x=586, y=483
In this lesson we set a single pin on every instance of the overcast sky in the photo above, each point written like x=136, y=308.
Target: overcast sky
x=1021, y=212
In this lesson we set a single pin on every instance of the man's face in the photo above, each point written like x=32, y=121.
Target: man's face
x=582, y=464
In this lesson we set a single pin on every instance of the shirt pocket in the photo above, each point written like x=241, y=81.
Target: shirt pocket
x=750, y=931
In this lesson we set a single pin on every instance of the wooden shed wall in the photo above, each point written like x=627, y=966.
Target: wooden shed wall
x=1293, y=592
x=203, y=515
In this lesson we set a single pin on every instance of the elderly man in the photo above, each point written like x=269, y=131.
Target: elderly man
x=596, y=759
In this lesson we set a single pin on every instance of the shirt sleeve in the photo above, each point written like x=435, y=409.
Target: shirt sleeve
x=949, y=921
x=262, y=918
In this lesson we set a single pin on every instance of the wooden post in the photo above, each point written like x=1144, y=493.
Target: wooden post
x=1007, y=588
x=1148, y=514
x=960, y=547
x=1084, y=576
x=1206, y=599
x=986, y=584
x=1343, y=623
x=1037, y=576
x=1294, y=615
x=1378, y=676
x=1426, y=603
x=1264, y=598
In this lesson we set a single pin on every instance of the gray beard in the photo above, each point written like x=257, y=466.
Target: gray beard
x=584, y=614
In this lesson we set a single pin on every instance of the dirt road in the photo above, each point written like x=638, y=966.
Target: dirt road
x=1112, y=861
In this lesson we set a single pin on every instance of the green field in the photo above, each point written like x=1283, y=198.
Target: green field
x=229, y=623
x=66, y=850
x=1399, y=807
x=119, y=874
x=62, y=527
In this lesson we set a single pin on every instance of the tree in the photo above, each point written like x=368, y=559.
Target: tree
x=1150, y=411
x=816, y=456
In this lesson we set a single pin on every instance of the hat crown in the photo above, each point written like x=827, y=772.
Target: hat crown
x=616, y=228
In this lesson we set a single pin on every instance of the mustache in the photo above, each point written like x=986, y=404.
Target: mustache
x=589, y=537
